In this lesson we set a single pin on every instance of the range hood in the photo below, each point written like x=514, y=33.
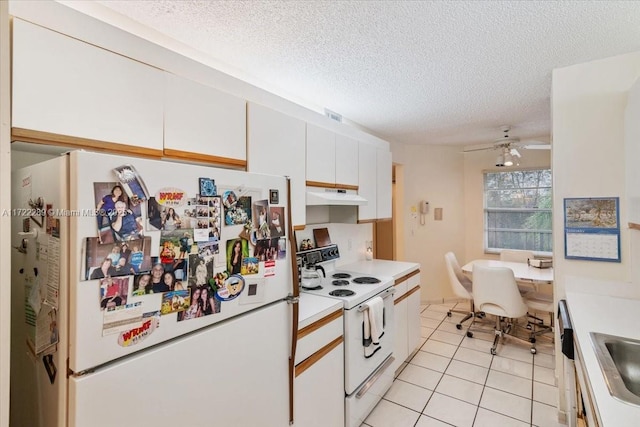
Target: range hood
x=334, y=197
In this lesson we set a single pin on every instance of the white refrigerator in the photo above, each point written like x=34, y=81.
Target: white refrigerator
x=94, y=344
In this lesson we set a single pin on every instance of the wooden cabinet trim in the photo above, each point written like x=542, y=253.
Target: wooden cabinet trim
x=406, y=295
x=48, y=138
x=299, y=227
x=346, y=187
x=634, y=226
x=207, y=158
x=315, y=357
x=320, y=184
x=406, y=276
x=319, y=323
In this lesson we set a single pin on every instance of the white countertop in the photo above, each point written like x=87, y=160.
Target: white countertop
x=380, y=267
x=313, y=308
x=610, y=315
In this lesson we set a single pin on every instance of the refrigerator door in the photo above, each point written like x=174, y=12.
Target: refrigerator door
x=230, y=374
x=90, y=347
x=36, y=398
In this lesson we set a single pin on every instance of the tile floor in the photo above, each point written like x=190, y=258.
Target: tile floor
x=454, y=380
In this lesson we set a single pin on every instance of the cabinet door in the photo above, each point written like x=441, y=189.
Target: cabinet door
x=346, y=164
x=400, y=338
x=319, y=392
x=367, y=163
x=383, y=184
x=276, y=146
x=413, y=319
x=67, y=87
x=200, y=119
x=321, y=155
x=400, y=325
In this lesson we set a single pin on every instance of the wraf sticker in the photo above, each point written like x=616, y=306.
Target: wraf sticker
x=232, y=288
x=269, y=268
x=171, y=197
x=136, y=335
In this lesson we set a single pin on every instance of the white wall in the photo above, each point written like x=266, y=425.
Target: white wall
x=588, y=159
x=589, y=101
x=435, y=174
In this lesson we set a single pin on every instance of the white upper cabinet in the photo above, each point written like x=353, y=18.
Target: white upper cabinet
x=331, y=158
x=367, y=164
x=68, y=87
x=200, y=119
x=383, y=184
x=374, y=184
x=346, y=161
x=276, y=145
x=321, y=155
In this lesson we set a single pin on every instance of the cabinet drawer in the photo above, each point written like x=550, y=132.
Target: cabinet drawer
x=401, y=289
x=413, y=281
x=320, y=333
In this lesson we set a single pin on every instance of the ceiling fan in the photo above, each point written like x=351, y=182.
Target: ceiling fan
x=507, y=147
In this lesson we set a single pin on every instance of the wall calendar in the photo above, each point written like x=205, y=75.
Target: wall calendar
x=592, y=229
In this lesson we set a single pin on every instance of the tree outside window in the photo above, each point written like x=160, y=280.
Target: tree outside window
x=517, y=210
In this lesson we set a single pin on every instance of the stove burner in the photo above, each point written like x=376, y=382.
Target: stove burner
x=341, y=293
x=340, y=282
x=311, y=288
x=341, y=276
x=366, y=280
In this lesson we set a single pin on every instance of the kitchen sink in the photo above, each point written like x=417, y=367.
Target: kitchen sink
x=619, y=360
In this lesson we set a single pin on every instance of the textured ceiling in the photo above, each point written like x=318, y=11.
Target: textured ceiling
x=416, y=72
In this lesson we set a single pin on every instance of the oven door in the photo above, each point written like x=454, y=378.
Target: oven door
x=358, y=367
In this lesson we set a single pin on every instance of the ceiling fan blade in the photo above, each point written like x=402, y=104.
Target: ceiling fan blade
x=470, y=150
x=537, y=146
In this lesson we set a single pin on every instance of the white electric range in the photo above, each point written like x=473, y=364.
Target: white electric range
x=367, y=376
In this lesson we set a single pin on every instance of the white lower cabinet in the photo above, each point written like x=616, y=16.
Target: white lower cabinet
x=407, y=317
x=318, y=388
x=413, y=317
x=319, y=392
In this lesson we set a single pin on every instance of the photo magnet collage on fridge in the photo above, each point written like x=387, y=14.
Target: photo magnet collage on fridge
x=186, y=265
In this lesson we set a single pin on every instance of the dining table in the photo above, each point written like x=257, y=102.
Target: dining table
x=522, y=271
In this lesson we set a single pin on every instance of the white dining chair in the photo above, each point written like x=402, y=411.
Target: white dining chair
x=516, y=255
x=496, y=292
x=522, y=256
x=461, y=287
x=539, y=302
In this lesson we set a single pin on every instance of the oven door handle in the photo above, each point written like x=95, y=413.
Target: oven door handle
x=377, y=374
x=388, y=292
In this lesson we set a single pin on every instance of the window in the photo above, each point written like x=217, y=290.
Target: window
x=517, y=210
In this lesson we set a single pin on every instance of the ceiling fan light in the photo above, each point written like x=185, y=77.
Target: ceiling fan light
x=500, y=160
x=508, y=160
